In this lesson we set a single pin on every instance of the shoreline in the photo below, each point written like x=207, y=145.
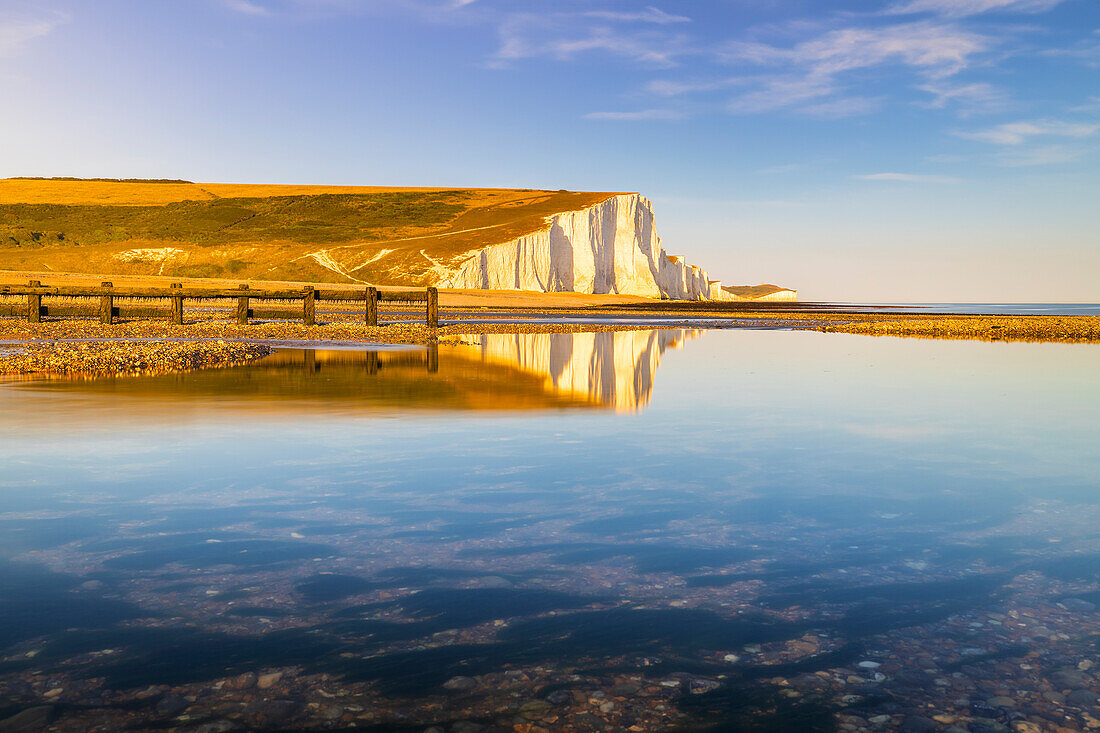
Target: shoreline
x=70, y=346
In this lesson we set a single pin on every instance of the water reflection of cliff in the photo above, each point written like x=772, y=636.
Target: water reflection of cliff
x=614, y=369
x=500, y=372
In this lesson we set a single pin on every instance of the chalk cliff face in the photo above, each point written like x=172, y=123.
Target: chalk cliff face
x=610, y=247
x=614, y=369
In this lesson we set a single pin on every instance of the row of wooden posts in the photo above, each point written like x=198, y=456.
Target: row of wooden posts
x=108, y=311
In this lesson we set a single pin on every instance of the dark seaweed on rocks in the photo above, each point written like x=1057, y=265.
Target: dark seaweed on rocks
x=757, y=708
x=34, y=602
x=324, y=588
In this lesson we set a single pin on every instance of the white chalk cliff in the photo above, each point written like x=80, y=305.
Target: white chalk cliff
x=610, y=247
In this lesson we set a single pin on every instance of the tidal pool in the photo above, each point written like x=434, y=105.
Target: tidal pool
x=646, y=530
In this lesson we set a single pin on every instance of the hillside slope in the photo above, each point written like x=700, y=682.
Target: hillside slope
x=549, y=241
x=322, y=233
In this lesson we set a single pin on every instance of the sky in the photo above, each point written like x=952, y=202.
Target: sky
x=894, y=151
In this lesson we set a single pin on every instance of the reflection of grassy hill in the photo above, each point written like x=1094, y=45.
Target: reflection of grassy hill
x=312, y=233
x=348, y=382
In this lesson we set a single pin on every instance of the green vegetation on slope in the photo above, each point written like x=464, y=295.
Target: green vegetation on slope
x=387, y=236
x=324, y=218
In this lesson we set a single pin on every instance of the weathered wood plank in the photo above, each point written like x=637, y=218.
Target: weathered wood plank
x=242, y=307
x=34, y=304
x=433, y=308
x=372, y=306
x=106, y=303
x=177, y=305
x=309, y=313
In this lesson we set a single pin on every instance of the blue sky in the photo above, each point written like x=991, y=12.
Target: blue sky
x=898, y=150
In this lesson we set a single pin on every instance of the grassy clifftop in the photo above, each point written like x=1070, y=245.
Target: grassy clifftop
x=399, y=236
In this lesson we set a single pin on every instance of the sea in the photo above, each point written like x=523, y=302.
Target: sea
x=643, y=530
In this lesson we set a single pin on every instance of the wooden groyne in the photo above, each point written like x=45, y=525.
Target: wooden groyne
x=38, y=306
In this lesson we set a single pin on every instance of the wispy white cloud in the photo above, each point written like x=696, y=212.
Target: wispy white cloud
x=962, y=8
x=674, y=88
x=16, y=32
x=645, y=114
x=560, y=36
x=935, y=49
x=969, y=99
x=1092, y=104
x=1041, y=155
x=1017, y=133
x=647, y=15
x=1086, y=51
x=812, y=70
x=835, y=109
x=907, y=178
x=247, y=7
x=779, y=92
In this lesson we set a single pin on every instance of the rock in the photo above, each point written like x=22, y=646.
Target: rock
x=171, y=705
x=216, y=726
x=607, y=707
x=699, y=686
x=266, y=681
x=1001, y=702
x=534, y=709
x=986, y=725
x=273, y=711
x=1077, y=605
x=460, y=684
x=1023, y=726
x=467, y=726
x=918, y=724
x=30, y=720
x=1081, y=698
x=879, y=719
x=434, y=729
x=869, y=665
x=626, y=689
x=560, y=697
x=1068, y=679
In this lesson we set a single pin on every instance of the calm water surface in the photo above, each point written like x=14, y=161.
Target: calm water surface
x=721, y=530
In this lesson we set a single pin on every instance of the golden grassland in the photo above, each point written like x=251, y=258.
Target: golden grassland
x=330, y=234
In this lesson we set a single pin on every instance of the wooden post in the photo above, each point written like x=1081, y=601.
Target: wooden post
x=34, y=304
x=433, y=308
x=107, y=305
x=372, y=306
x=242, y=307
x=309, y=314
x=177, y=306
